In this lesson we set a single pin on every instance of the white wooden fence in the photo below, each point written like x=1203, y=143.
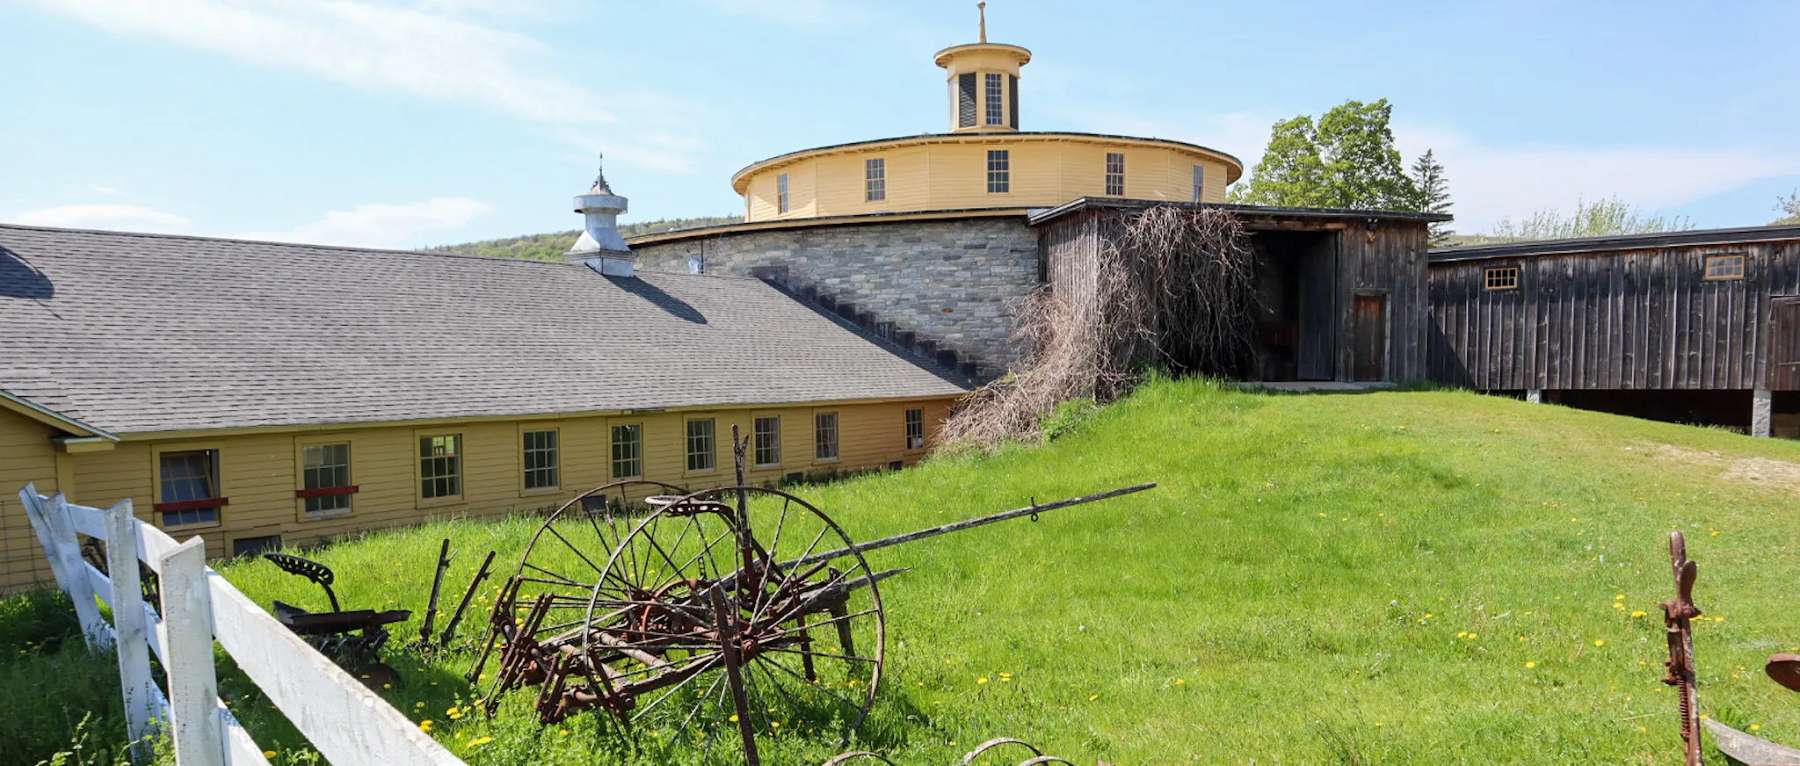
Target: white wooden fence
x=344, y=721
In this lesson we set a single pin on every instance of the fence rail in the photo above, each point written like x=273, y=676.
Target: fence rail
x=348, y=724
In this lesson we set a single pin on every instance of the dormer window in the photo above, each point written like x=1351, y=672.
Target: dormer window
x=996, y=104
x=781, y=193
x=1199, y=183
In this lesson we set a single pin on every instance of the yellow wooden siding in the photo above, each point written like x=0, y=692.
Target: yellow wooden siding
x=26, y=456
x=259, y=473
x=951, y=176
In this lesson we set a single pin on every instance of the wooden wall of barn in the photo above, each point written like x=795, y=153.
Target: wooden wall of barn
x=1622, y=319
x=1385, y=258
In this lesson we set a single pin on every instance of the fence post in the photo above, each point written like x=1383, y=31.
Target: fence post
x=130, y=625
x=63, y=547
x=193, y=683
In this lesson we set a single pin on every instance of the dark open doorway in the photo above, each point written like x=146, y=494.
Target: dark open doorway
x=1296, y=281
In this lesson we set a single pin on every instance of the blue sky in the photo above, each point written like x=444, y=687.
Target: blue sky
x=435, y=121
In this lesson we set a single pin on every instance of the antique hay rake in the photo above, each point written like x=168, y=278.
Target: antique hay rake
x=743, y=603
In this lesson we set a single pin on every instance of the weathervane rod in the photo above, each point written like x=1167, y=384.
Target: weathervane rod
x=981, y=8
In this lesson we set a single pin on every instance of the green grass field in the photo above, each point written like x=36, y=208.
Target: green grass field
x=1399, y=577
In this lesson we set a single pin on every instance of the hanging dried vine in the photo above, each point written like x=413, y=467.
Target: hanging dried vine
x=1170, y=288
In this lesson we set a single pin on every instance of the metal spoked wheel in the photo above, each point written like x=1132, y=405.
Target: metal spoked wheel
x=743, y=600
x=562, y=563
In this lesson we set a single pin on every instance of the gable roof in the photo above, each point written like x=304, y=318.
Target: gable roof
x=137, y=333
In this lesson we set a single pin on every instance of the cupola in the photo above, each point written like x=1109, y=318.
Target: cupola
x=984, y=82
x=600, y=247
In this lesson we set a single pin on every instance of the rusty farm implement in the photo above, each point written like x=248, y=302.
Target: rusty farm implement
x=652, y=604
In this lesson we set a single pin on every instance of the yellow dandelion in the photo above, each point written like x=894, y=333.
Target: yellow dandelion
x=1619, y=597
x=1618, y=605
x=1472, y=636
x=1529, y=664
x=1599, y=642
x=1638, y=614
x=1092, y=697
x=268, y=754
x=734, y=718
x=418, y=706
x=1755, y=727
x=981, y=680
x=1462, y=634
x=387, y=686
x=478, y=742
x=1180, y=682
x=425, y=725
x=775, y=724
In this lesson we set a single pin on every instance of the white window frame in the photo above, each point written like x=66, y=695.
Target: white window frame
x=757, y=446
x=1115, y=174
x=994, y=92
x=1199, y=183
x=999, y=171
x=781, y=194
x=875, y=179
x=455, y=458
x=823, y=436
x=554, y=450
x=308, y=470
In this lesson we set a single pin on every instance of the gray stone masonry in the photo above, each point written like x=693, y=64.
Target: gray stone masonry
x=936, y=286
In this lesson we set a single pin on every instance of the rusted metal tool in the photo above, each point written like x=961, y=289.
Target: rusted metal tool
x=1677, y=614
x=463, y=605
x=742, y=603
x=437, y=583
x=353, y=638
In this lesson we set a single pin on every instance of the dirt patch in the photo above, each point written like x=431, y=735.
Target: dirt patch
x=1759, y=470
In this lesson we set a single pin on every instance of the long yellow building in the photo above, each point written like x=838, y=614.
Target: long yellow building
x=261, y=394
x=984, y=161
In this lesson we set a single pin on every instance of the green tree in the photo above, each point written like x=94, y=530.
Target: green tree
x=1434, y=194
x=1347, y=159
x=1606, y=217
x=1789, y=207
x=1291, y=173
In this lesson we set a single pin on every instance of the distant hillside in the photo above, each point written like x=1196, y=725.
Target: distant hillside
x=551, y=246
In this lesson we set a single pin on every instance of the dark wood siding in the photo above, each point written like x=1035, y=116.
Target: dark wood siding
x=965, y=100
x=1384, y=258
x=1621, y=319
x=1012, y=99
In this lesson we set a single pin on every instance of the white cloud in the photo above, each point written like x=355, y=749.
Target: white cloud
x=105, y=216
x=436, y=50
x=1490, y=182
x=382, y=224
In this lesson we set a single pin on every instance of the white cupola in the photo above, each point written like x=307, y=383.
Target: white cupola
x=600, y=247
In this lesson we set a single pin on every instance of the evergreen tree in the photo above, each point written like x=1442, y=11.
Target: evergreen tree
x=1434, y=194
x=1346, y=160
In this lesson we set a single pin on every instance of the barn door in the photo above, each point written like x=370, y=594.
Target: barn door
x=1784, y=344
x=1369, y=338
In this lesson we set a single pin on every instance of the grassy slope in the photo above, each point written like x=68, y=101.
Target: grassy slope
x=1293, y=593
x=550, y=246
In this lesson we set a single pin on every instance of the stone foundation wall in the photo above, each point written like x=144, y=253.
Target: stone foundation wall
x=951, y=282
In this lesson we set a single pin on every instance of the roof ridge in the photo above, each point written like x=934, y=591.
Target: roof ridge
x=275, y=242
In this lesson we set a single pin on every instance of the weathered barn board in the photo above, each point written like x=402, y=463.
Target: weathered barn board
x=1615, y=313
x=1334, y=258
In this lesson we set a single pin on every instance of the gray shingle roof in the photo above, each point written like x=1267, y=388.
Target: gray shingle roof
x=141, y=333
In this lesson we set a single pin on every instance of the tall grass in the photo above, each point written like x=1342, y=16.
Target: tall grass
x=1402, y=577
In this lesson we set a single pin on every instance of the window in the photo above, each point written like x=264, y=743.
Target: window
x=1721, y=267
x=190, y=488
x=915, y=429
x=1012, y=101
x=702, y=454
x=1501, y=278
x=825, y=436
x=440, y=466
x=781, y=198
x=325, y=487
x=999, y=175
x=244, y=547
x=996, y=108
x=1115, y=174
x=1199, y=183
x=874, y=180
x=541, y=459
x=627, y=451
x=964, y=96
x=768, y=440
